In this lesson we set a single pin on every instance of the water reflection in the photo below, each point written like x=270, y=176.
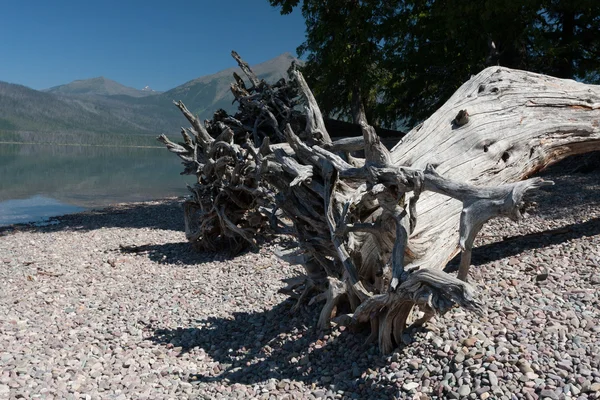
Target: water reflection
x=51, y=179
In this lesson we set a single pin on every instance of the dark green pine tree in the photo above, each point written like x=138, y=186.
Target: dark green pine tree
x=400, y=60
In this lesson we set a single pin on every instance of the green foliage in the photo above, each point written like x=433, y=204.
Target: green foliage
x=7, y=125
x=405, y=58
x=344, y=57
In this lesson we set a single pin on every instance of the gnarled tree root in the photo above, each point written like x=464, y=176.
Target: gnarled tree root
x=428, y=288
x=357, y=222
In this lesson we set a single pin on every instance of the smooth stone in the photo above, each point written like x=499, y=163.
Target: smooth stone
x=575, y=390
x=549, y=393
x=482, y=390
x=531, y=375
x=493, y=378
x=595, y=387
x=464, y=390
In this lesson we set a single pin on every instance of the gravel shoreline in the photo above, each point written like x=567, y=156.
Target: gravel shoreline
x=114, y=304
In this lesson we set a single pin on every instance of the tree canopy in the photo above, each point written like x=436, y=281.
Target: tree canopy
x=400, y=60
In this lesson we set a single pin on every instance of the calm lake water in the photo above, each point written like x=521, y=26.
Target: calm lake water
x=39, y=181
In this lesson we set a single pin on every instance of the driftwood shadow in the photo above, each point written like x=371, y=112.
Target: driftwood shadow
x=171, y=253
x=572, y=175
x=187, y=254
x=514, y=245
x=252, y=348
x=163, y=214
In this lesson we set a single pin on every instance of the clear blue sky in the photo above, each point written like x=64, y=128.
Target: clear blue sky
x=44, y=43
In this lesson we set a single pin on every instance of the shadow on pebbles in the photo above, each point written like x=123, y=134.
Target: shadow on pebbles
x=114, y=304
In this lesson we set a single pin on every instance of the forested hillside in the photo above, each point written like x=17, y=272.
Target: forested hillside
x=101, y=111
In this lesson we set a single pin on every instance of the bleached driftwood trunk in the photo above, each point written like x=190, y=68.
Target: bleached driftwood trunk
x=519, y=123
x=376, y=232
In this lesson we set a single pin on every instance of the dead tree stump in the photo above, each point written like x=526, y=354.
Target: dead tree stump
x=377, y=232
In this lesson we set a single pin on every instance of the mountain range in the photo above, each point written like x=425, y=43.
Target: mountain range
x=101, y=111
x=99, y=86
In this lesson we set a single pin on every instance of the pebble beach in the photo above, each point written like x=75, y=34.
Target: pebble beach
x=116, y=304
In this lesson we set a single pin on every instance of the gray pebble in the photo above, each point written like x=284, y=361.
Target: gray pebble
x=464, y=390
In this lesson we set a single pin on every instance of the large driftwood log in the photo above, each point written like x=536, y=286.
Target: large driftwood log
x=376, y=233
x=519, y=123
